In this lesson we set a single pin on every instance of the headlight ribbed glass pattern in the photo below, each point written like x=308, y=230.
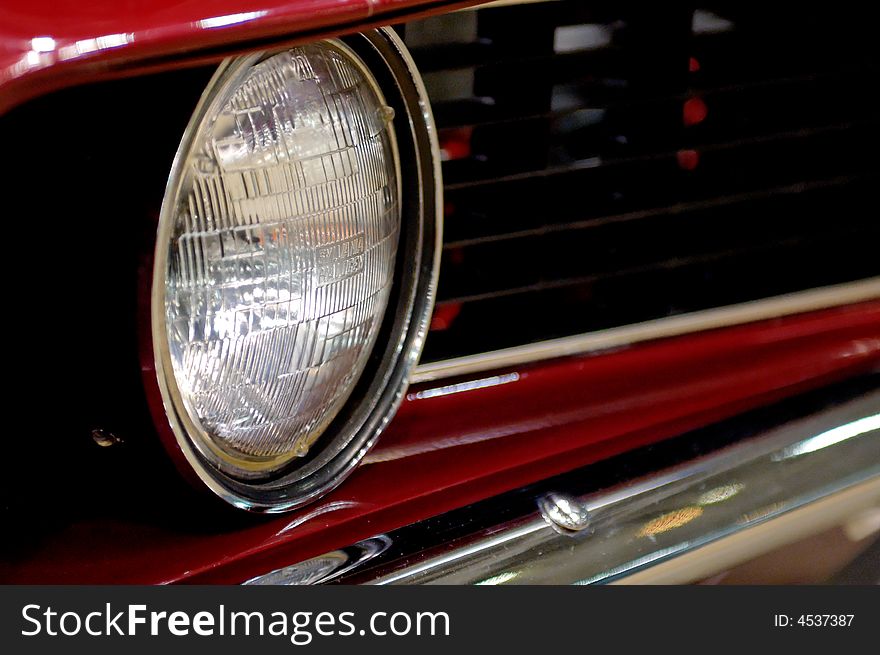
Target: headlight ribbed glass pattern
x=281, y=255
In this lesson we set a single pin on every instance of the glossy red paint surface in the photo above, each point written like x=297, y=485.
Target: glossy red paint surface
x=46, y=45
x=455, y=442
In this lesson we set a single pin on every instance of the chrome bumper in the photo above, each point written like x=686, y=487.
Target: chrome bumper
x=768, y=488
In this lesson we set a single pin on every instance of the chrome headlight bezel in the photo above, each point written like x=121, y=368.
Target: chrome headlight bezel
x=380, y=388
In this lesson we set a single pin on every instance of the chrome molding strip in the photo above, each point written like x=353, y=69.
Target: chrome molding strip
x=504, y=3
x=757, y=310
x=804, y=475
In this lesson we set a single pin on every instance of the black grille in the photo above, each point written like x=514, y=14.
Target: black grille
x=607, y=165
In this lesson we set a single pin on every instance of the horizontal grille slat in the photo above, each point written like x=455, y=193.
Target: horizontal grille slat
x=739, y=115
x=647, y=214
x=606, y=164
x=499, y=207
x=709, y=227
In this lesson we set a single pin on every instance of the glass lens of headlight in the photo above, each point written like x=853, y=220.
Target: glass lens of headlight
x=280, y=237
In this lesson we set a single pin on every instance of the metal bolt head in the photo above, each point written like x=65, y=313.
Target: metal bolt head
x=386, y=113
x=565, y=512
x=104, y=438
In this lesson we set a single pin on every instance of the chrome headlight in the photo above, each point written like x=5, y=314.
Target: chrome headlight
x=295, y=265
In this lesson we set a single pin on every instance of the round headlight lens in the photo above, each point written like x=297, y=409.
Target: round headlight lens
x=295, y=266
x=281, y=254
x=280, y=247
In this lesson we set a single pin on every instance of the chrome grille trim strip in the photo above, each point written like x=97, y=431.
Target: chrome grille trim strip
x=749, y=312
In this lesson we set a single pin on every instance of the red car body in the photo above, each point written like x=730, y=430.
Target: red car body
x=451, y=443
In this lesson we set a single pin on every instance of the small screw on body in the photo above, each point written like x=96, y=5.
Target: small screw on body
x=104, y=438
x=386, y=113
x=565, y=512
